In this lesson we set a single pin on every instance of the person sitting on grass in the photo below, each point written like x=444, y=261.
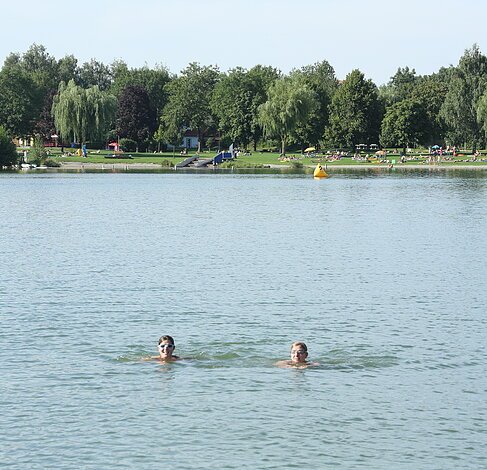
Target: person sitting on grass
x=299, y=355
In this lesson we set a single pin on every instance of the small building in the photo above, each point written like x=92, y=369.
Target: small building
x=190, y=140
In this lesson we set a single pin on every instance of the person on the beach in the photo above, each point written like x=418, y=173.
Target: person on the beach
x=166, y=349
x=299, y=355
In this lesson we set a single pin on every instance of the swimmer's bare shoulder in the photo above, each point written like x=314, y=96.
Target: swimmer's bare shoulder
x=171, y=359
x=295, y=365
x=284, y=364
x=158, y=359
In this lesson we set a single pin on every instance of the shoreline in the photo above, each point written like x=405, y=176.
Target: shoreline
x=157, y=167
x=119, y=166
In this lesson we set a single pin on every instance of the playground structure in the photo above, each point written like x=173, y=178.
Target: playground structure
x=196, y=162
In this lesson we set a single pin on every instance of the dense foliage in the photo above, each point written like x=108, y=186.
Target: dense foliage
x=288, y=106
x=320, y=78
x=404, y=124
x=355, y=112
x=189, y=101
x=43, y=96
x=236, y=102
x=136, y=119
x=8, y=152
x=18, y=102
x=82, y=114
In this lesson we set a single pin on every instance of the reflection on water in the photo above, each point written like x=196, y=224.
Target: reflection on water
x=382, y=274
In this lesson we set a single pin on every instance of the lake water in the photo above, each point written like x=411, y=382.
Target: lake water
x=383, y=275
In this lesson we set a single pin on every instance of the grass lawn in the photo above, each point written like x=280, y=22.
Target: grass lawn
x=257, y=159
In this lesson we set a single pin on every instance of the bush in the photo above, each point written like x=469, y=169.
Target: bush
x=225, y=142
x=238, y=164
x=210, y=141
x=128, y=145
x=52, y=163
x=8, y=152
x=96, y=145
x=38, y=153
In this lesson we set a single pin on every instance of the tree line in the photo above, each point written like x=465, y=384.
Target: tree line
x=149, y=107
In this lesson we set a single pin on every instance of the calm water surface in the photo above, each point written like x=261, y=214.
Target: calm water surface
x=384, y=277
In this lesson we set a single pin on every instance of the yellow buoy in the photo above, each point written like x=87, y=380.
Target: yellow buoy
x=319, y=172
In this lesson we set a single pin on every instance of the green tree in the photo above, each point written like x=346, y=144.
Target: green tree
x=135, y=118
x=459, y=110
x=152, y=80
x=404, y=124
x=189, y=98
x=355, y=112
x=430, y=93
x=95, y=73
x=41, y=67
x=319, y=77
x=18, y=101
x=236, y=100
x=44, y=126
x=8, y=152
x=261, y=77
x=482, y=112
x=68, y=69
x=82, y=114
x=400, y=86
x=232, y=105
x=38, y=153
x=44, y=73
x=169, y=131
x=289, y=104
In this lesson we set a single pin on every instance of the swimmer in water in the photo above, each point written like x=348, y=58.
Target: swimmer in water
x=166, y=349
x=299, y=354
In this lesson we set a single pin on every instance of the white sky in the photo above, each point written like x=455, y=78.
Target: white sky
x=375, y=36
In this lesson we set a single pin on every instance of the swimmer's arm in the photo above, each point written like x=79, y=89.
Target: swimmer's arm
x=298, y=365
x=283, y=364
x=158, y=358
x=150, y=358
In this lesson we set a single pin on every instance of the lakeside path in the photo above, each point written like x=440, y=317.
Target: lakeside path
x=79, y=166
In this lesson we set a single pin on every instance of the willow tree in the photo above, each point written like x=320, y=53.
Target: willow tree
x=289, y=104
x=82, y=114
x=319, y=77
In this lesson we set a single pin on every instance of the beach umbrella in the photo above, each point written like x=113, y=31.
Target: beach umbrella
x=435, y=147
x=114, y=145
x=309, y=149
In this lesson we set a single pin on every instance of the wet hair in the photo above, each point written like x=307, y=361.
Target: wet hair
x=300, y=344
x=167, y=338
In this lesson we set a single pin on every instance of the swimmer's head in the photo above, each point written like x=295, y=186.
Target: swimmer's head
x=166, y=339
x=166, y=346
x=299, y=352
